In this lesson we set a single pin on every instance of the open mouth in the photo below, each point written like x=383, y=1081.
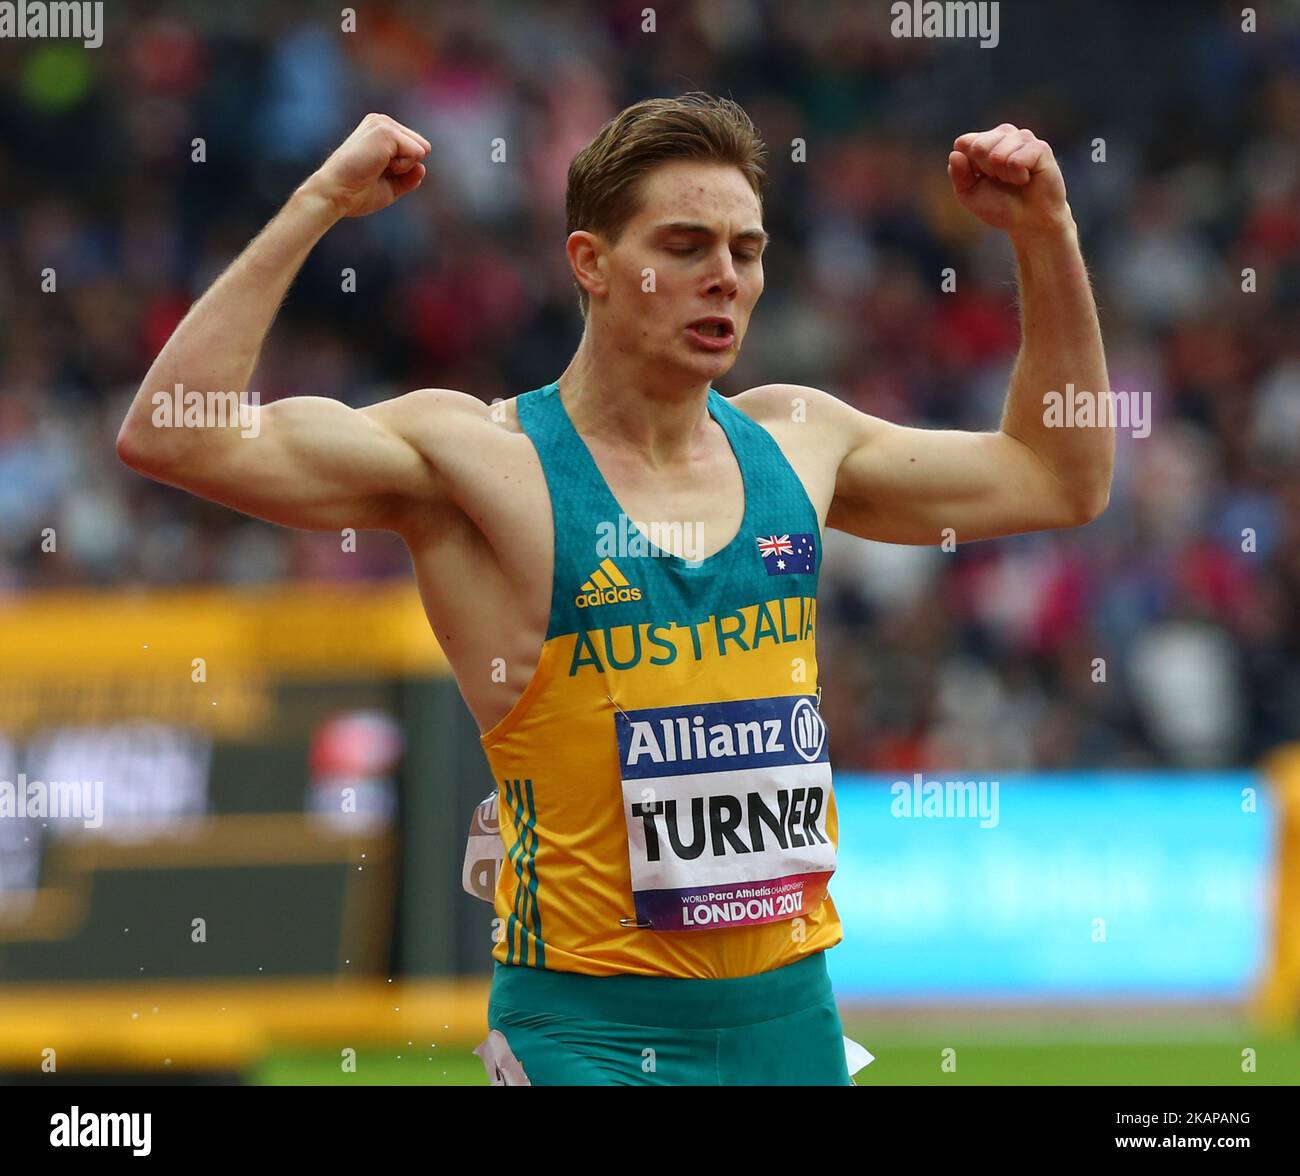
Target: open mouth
x=713, y=332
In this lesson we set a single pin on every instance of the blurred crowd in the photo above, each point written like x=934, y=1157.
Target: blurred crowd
x=1165, y=633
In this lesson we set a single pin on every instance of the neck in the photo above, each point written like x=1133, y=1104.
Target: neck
x=628, y=402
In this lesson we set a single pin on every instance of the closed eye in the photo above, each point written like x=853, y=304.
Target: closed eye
x=743, y=254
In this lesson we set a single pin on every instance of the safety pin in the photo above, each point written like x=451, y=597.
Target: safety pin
x=616, y=706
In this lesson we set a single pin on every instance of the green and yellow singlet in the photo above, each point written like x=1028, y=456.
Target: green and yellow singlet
x=663, y=782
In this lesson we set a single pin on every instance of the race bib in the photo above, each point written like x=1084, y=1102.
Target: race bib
x=726, y=807
x=483, y=851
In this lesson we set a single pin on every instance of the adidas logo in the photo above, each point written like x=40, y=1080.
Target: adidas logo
x=606, y=585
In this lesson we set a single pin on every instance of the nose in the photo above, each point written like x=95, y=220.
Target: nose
x=723, y=279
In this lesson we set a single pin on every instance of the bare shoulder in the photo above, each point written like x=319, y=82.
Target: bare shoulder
x=439, y=418
x=466, y=444
x=787, y=402
x=412, y=413
x=812, y=429
x=797, y=413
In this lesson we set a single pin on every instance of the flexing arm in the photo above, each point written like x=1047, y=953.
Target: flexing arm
x=306, y=461
x=906, y=485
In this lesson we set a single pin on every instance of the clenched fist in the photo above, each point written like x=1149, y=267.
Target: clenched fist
x=375, y=165
x=1009, y=178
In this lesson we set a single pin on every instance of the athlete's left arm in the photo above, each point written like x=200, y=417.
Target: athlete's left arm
x=908, y=485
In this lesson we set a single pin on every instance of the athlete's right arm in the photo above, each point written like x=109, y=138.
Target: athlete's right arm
x=305, y=461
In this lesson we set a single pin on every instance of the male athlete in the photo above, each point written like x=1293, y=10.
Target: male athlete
x=642, y=555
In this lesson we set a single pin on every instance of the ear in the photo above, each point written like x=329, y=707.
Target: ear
x=586, y=256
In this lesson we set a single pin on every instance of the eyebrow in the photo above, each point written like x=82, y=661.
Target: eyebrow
x=759, y=235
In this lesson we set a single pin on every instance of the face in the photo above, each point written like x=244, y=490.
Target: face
x=679, y=286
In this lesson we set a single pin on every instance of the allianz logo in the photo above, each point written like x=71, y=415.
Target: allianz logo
x=689, y=737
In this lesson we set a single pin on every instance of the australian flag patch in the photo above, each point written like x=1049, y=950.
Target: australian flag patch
x=788, y=555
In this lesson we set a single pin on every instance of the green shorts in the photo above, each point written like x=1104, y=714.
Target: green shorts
x=779, y=1028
